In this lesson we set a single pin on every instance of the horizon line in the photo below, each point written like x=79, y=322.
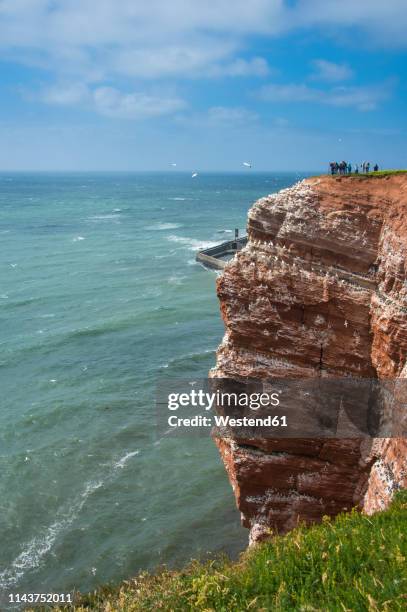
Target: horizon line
x=100, y=171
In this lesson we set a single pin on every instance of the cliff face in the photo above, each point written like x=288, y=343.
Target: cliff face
x=319, y=290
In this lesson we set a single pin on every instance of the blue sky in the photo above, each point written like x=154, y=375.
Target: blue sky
x=136, y=85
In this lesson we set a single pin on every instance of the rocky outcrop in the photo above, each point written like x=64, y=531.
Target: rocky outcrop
x=320, y=290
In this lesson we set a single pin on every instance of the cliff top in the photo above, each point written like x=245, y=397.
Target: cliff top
x=370, y=175
x=382, y=195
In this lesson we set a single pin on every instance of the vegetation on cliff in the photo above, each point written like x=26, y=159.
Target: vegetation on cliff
x=354, y=562
x=377, y=174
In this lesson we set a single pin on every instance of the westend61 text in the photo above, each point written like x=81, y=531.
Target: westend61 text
x=226, y=421
x=207, y=401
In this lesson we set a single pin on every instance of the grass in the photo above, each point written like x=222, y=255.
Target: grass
x=378, y=174
x=353, y=562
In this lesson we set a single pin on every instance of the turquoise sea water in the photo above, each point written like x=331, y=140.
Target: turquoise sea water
x=99, y=295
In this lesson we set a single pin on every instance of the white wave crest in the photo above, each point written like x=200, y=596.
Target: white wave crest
x=176, y=280
x=122, y=462
x=163, y=226
x=191, y=243
x=109, y=217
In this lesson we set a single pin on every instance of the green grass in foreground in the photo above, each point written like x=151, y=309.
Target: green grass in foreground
x=353, y=562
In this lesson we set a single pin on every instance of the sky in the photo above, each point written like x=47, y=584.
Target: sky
x=206, y=84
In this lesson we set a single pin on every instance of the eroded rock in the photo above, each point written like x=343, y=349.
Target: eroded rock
x=319, y=290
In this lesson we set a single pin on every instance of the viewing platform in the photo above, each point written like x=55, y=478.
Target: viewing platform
x=217, y=257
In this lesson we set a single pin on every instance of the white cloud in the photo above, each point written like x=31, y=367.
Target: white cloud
x=182, y=60
x=231, y=115
x=360, y=98
x=66, y=94
x=148, y=39
x=100, y=42
x=111, y=102
x=161, y=37
x=382, y=22
x=329, y=71
x=256, y=66
x=114, y=103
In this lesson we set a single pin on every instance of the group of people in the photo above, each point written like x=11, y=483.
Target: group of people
x=345, y=168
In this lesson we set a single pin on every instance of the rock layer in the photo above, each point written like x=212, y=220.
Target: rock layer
x=319, y=290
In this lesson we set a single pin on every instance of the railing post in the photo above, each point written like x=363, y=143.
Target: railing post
x=236, y=238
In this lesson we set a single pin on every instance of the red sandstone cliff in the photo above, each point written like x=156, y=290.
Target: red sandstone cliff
x=319, y=290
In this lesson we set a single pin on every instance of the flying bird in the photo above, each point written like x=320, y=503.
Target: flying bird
x=173, y=165
x=194, y=175
x=247, y=164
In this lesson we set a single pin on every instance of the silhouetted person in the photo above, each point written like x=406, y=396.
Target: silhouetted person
x=376, y=168
x=367, y=167
x=349, y=168
x=356, y=169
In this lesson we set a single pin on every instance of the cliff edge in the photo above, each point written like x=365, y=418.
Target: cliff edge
x=319, y=290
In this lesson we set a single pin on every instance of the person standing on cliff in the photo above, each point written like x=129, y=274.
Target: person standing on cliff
x=376, y=168
x=367, y=167
x=349, y=168
x=356, y=169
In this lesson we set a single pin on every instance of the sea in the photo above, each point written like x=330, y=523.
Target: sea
x=100, y=295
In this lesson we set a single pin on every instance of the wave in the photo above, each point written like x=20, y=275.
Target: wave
x=107, y=217
x=34, y=551
x=121, y=463
x=104, y=328
x=60, y=338
x=187, y=357
x=37, y=548
x=178, y=199
x=78, y=238
x=191, y=243
x=176, y=280
x=163, y=226
x=23, y=302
